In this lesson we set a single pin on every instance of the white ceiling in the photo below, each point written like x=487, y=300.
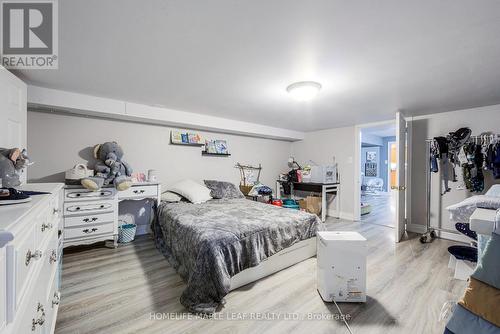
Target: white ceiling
x=386, y=130
x=234, y=59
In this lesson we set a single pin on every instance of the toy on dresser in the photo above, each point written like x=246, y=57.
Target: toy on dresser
x=109, y=168
x=12, y=162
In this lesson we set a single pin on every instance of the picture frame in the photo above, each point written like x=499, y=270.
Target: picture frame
x=186, y=138
x=371, y=156
x=371, y=169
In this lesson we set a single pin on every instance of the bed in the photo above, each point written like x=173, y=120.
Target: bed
x=222, y=244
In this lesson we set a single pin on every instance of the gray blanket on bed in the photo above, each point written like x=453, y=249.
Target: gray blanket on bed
x=211, y=242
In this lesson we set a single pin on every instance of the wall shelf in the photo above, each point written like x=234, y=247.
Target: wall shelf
x=187, y=144
x=216, y=154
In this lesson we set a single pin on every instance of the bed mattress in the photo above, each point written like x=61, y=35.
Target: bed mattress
x=211, y=242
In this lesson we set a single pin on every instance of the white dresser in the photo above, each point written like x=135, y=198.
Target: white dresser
x=92, y=216
x=29, y=262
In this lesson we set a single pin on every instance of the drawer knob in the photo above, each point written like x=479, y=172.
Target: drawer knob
x=53, y=257
x=92, y=230
x=41, y=319
x=46, y=226
x=56, y=211
x=139, y=191
x=57, y=298
x=32, y=255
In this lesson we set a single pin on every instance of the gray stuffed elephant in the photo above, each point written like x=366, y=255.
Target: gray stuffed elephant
x=109, y=168
x=12, y=161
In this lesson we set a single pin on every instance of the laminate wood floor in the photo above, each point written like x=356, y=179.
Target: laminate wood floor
x=119, y=291
x=383, y=208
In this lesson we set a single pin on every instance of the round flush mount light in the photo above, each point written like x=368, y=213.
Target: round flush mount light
x=304, y=90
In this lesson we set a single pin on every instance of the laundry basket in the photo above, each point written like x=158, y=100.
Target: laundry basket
x=126, y=233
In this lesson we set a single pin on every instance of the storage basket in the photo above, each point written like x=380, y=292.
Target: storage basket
x=245, y=189
x=126, y=233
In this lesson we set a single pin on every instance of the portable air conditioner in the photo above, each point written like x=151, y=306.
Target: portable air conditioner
x=341, y=258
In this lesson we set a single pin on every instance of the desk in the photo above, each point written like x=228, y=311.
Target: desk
x=322, y=188
x=91, y=216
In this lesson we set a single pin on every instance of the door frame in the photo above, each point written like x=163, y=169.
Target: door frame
x=402, y=145
x=388, y=164
x=357, y=164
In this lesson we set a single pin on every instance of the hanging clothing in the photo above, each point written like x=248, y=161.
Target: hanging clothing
x=495, y=164
x=447, y=172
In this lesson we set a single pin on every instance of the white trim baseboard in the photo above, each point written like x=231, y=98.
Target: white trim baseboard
x=416, y=228
x=343, y=215
x=420, y=229
x=453, y=237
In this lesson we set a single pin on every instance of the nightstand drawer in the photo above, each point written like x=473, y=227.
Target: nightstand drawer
x=88, y=231
x=88, y=219
x=139, y=192
x=87, y=195
x=87, y=208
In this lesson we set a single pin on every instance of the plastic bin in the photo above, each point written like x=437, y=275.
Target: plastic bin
x=126, y=233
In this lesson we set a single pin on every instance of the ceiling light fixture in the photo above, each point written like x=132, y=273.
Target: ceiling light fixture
x=304, y=90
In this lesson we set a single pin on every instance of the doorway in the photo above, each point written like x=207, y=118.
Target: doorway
x=378, y=174
x=393, y=164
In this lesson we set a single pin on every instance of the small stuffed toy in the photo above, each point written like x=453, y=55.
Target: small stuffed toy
x=109, y=169
x=12, y=161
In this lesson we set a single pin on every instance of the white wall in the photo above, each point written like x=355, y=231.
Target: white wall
x=370, y=139
x=57, y=142
x=321, y=147
x=89, y=105
x=479, y=120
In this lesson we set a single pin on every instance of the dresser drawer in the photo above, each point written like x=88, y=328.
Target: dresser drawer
x=52, y=303
x=26, y=257
x=87, y=208
x=139, y=192
x=84, y=194
x=88, y=231
x=49, y=266
x=45, y=227
x=30, y=315
x=3, y=294
x=88, y=219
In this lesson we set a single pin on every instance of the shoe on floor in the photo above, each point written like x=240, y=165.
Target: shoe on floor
x=12, y=196
x=464, y=228
x=464, y=253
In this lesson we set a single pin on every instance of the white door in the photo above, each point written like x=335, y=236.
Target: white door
x=401, y=145
x=12, y=112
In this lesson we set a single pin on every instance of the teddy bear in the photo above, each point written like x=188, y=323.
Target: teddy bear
x=109, y=168
x=12, y=161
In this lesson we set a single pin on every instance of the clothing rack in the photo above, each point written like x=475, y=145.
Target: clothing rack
x=483, y=139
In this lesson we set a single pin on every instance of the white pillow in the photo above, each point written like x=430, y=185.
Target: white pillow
x=194, y=192
x=169, y=196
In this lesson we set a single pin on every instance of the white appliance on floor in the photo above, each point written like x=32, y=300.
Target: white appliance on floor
x=341, y=258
